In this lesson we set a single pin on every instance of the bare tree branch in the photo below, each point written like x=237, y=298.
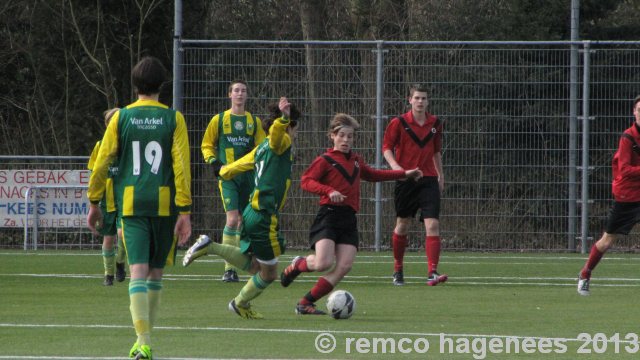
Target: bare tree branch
x=81, y=39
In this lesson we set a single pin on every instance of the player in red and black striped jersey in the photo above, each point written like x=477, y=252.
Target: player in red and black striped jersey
x=335, y=176
x=414, y=139
x=625, y=210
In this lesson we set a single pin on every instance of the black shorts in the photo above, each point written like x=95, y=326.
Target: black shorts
x=337, y=223
x=622, y=217
x=423, y=194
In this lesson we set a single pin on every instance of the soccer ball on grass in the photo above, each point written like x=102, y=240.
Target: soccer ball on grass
x=341, y=304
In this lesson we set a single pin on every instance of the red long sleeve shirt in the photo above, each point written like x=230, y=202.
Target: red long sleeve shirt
x=322, y=177
x=408, y=153
x=626, y=168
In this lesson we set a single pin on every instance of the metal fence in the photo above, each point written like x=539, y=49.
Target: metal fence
x=513, y=148
x=520, y=123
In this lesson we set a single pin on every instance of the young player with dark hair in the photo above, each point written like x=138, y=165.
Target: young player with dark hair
x=112, y=263
x=414, y=139
x=149, y=143
x=260, y=241
x=229, y=136
x=335, y=176
x=625, y=211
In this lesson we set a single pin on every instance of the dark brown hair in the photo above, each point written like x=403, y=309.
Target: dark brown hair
x=417, y=87
x=238, y=81
x=148, y=76
x=274, y=113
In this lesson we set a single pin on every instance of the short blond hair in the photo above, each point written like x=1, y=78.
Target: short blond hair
x=108, y=114
x=341, y=120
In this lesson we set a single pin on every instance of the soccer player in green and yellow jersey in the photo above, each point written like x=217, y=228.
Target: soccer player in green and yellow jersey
x=229, y=136
x=153, y=191
x=108, y=230
x=260, y=241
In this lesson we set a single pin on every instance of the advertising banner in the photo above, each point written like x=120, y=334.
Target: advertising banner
x=55, y=201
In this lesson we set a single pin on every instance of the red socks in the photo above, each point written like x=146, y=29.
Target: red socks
x=594, y=258
x=320, y=289
x=431, y=246
x=399, y=244
x=432, y=250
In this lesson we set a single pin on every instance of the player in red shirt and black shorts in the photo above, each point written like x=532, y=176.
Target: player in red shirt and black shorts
x=625, y=211
x=335, y=176
x=414, y=140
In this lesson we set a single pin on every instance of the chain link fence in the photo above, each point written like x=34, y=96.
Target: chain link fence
x=506, y=107
x=512, y=152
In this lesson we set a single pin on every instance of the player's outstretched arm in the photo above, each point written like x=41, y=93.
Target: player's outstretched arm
x=245, y=163
x=279, y=142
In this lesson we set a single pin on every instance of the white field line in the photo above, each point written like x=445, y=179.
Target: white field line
x=450, y=261
x=462, y=280
x=389, y=262
x=354, y=278
x=412, y=259
x=299, y=331
x=382, y=255
x=447, y=261
x=26, y=357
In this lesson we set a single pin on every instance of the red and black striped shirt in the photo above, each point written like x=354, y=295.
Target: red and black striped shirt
x=408, y=151
x=337, y=171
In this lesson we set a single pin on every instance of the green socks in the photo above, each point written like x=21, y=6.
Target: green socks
x=254, y=287
x=121, y=253
x=232, y=254
x=230, y=237
x=154, y=290
x=140, y=310
x=109, y=260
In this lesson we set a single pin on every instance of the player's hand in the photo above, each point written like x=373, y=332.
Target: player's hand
x=441, y=183
x=414, y=174
x=94, y=218
x=336, y=197
x=183, y=229
x=285, y=106
x=217, y=165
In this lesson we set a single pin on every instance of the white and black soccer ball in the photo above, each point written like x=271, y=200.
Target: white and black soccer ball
x=341, y=304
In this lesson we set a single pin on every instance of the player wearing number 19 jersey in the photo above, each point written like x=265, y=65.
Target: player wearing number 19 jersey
x=153, y=191
x=146, y=136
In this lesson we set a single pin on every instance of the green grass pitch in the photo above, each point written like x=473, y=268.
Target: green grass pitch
x=494, y=306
